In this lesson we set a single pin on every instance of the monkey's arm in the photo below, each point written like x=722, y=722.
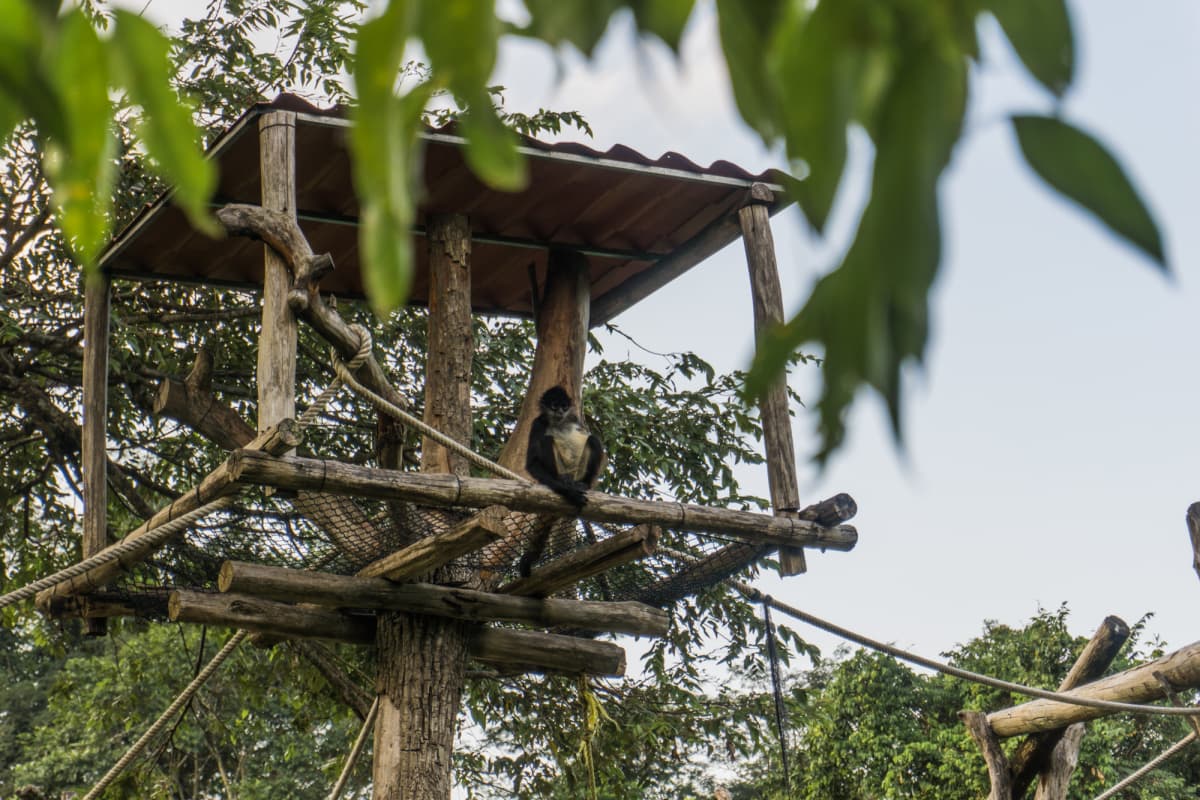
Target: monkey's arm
x=596, y=459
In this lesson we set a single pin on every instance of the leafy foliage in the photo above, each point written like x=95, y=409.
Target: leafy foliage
x=868, y=726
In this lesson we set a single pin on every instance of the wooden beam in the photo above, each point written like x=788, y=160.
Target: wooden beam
x=773, y=407
x=291, y=472
x=218, y=483
x=1137, y=685
x=341, y=591
x=425, y=555
x=529, y=650
x=94, y=445
x=716, y=236
x=997, y=763
x=584, y=562
x=733, y=558
x=1055, y=777
x=1033, y=755
x=277, y=341
x=266, y=616
x=547, y=652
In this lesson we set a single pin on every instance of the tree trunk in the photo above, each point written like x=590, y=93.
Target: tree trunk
x=422, y=659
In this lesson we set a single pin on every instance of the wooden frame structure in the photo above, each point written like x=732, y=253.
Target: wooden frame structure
x=428, y=614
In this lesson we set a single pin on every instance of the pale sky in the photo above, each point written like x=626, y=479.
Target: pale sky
x=1051, y=436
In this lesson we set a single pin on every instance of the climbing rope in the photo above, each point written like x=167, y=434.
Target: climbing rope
x=368, y=723
x=1152, y=765
x=152, y=538
x=166, y=716
x=318, y=405
x=755, y=595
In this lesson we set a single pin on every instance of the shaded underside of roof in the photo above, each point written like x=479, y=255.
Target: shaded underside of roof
x=641, y=222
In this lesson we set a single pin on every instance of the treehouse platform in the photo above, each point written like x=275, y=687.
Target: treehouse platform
x=298, y=534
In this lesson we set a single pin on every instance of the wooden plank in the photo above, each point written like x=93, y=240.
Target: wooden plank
x=277, y=341
x=218, y=483
x=584, y=562
x=767, y=296
x=427, y=554
x=1137, y=685
x=342, y=591
x=94, y=454
x=292, y=472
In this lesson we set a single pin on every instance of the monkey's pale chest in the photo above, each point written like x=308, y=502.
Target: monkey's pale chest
x=570, y=450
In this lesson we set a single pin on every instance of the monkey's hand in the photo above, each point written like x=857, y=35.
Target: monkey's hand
x=573, y=492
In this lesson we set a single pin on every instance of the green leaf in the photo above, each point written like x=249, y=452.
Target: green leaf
x=460, y=40
x=23, y=85
x=666, y=19
x=816, y=65
x=80, y=163
x=1040, y=32
x=1079, y=167
x=871, y=313
x=746, y=28
x=386, y=156
x=142, y=59
x=580, y=22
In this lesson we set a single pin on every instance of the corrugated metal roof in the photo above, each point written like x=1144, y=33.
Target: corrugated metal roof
x=641, y=221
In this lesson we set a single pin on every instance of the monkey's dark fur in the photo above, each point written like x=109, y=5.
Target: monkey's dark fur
x=562, y=454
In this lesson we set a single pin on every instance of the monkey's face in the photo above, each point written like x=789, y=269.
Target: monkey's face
x=555, y=411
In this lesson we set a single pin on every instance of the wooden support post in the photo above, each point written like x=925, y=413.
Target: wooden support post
x=292, y=472
x=1034, y=755
x=218, y=483
x=277, y=342
x=1055, y=777
x=94, y=453
x=562, y=326
x=422, y=659
x=341, y=591
x=425, y=555
x=1137, y=685
x=584, y=562
x=765, y=290
x=997, y=762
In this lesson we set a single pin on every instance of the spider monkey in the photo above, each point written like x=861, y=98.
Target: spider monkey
x=565, y=456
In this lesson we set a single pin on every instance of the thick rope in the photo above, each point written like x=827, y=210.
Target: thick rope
x=1154, y=764
x=152, y=538
x=345, y=374
x=166, y=716
x=946, y=669
x=368, y=723
x=318, y=405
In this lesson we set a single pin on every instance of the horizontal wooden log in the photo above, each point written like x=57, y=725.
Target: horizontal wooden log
x=425, y=555
x=546, y=652
x=340, y=591
x=529, y=651
x=338, y=478
x=218, y=483
x=1137, y=685
x=584, y=562
x=707, y=570
x=267, y=616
